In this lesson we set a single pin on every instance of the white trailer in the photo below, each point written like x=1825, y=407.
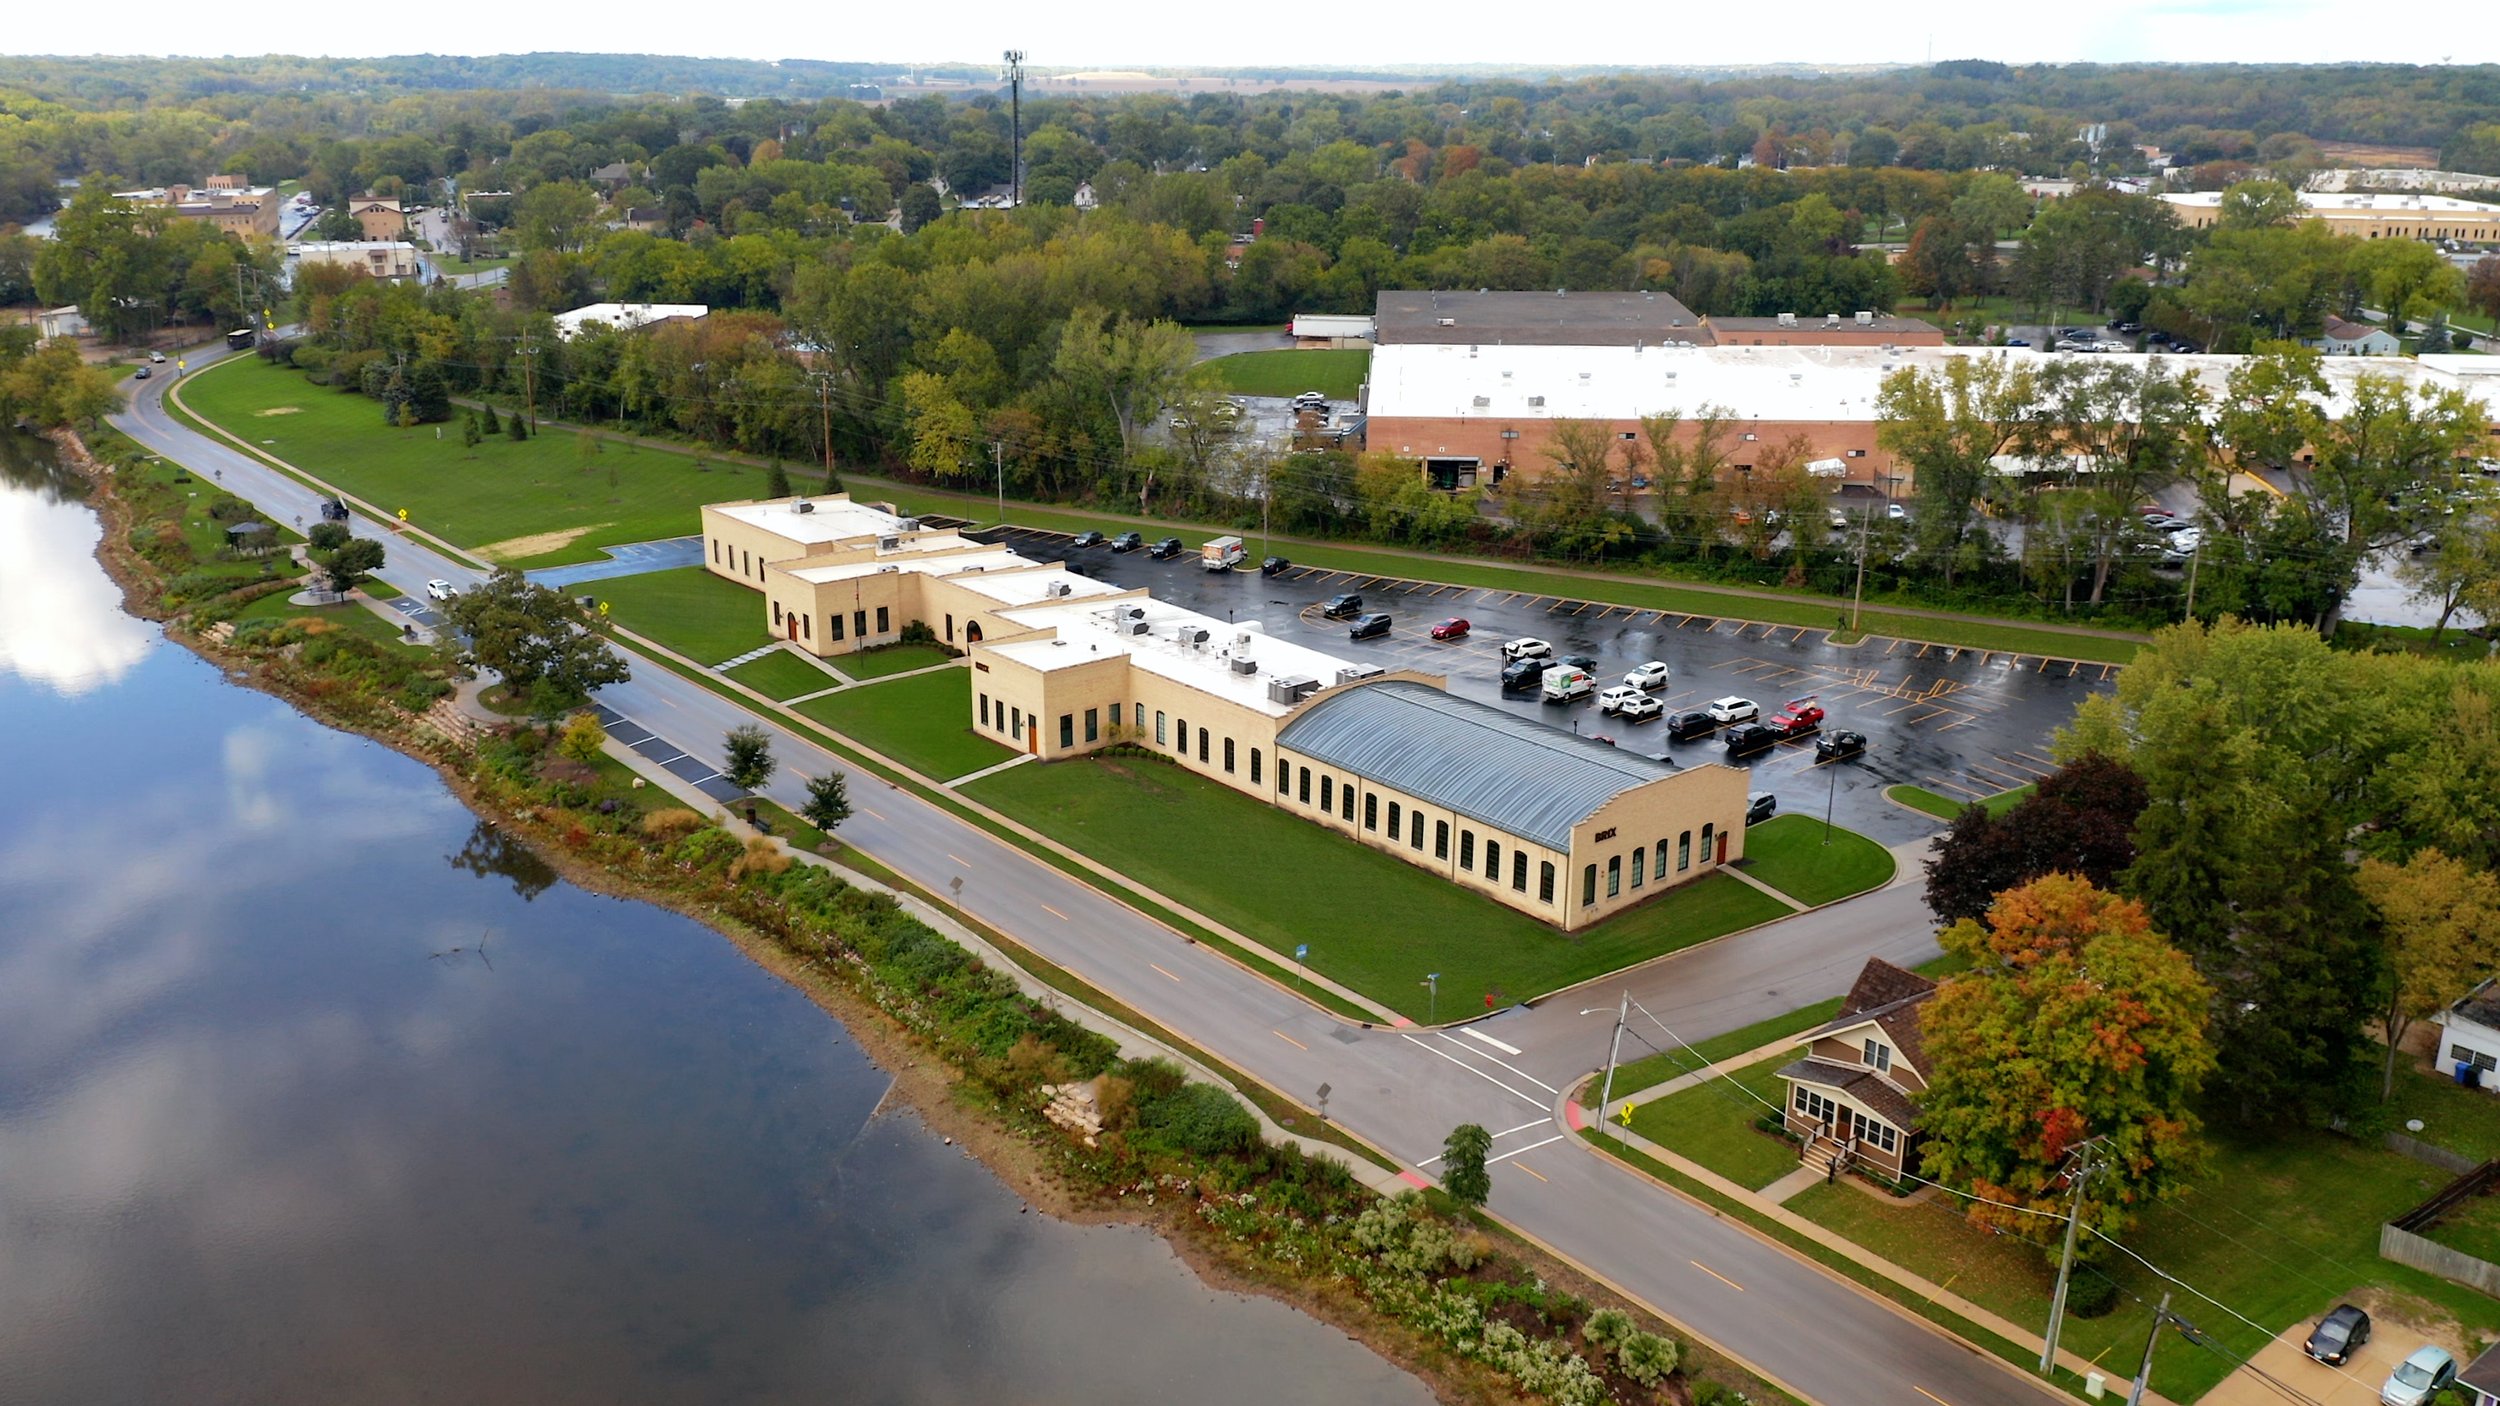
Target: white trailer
x=1222, y=554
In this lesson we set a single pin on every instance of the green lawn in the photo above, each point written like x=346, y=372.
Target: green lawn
x=1373, y=923
x=891, y=659
x=1947, y=808
x=782, y=675
x=2473, y=1228
x=1337, y=374
x=923, y=722
x=2453, y=1116
x=501, y=493
x=1712, y=1123
x=704, y=617
x=1788, y=853
x=354, y=619
x=2279, y=1229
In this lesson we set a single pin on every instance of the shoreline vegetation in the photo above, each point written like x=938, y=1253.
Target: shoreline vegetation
x=1443, y=1292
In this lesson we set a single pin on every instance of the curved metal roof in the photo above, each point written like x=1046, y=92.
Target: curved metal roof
x=1519, y=776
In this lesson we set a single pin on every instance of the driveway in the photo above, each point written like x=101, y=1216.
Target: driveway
x=1214, y=344
x=2354, y=1384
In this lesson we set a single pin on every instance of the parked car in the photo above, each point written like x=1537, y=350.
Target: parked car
x=1344, y=605
x=2018, y=341
x=1088, y=538
x=1580, y=661
x=1802, y=715
x=1838, y=520
x=1686, y=726
x=1166, y=549
x=1732, y=709
x=441, y=590
x=1639, y=708
x=2186, y=348
x=1751, y=739
x=1896, y=512
x=1525, y=648
x=1450, y=629
x=1760, y=806
x=1791, y=726
x=1839, y=745
x=1371, y=626
x=1613, y=699
x=2337, y=1334
x=2164, y=522
x=1651, y=675
x=1127, y=542
x=1309, y=399
x=1273, y=565
x=1522, y=673
x=2419, y=1378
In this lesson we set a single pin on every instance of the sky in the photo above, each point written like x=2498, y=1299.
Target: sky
x=1127, y=33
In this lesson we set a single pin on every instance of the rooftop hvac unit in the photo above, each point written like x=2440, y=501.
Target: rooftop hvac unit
x=1138, y=627
x=1351, y=672
x=802, y=506
x=1484, y=402
x=1291, y=688
x=887, y=544
x=1449, y=322
x=1796, y=378
x=1245, y=667
x=1061, y=588
x=1189, y=634
x=1831, y=319
x=1584, y=378
x=1135, y=612
x=884, y=569
x=909, y=524
x=1536, y=402
x=1788, y=319
x=1866, y=319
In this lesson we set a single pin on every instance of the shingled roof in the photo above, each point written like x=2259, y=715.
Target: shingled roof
x=1890, y=996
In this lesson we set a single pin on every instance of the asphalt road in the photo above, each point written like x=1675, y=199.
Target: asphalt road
x=1402, y=1089
x=1962, y=723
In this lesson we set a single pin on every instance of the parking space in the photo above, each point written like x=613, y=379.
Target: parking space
x=625, y=559
x=673, y=759
x=1961, y=722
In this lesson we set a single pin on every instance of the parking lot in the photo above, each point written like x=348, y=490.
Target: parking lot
x=1964, y=723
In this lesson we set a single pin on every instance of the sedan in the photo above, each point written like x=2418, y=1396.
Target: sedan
x=1087, y=538
x=141, y=374
x=1344, y=605
x=1652, y=675
x=1450, y=629
x=1166, y=549
x=1734, y=710
x=1580, y=661
x=1839, y=746
x=1366, y=627
x=441, y=590
x=2337, y=1334
x=1273, y=565
x=2419, y=1378
x=1525, y=648
x=1127, y=542
x=1684, y=727
x=1752, y=739
x=1639, y=708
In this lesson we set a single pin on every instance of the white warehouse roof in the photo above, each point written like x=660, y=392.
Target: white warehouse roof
x=625, y=317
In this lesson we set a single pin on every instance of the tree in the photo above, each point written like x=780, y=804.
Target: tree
x=2436, y=918
x=1951, y=427
x=470, y=435
x=351, y=561
x=533, y=635
x=2076, y=1021
x=828, y=801
x=582, y=739
x=776, y=481
x=327, y=536
x=920, y=205
x=1128, y=366
x=2407, y=277
x=2258, y=205
x=517, y=428
x=2461, y=568
x=747, y=757
x=2125, y=431
x=2482, y=287
x=2080, y=820
x=1463, y=1173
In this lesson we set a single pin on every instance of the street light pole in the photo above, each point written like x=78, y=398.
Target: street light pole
x=1432, y=1008
x=998, y=458
x=1614, y=1051
x=1831, y=800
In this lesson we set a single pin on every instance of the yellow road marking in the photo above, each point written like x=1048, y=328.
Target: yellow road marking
x=1288, y=1039
x=1540, y=1176
x=1054, y=913
x=870, y=813
x=1160, y=969
x=959, y=859
x=1716, y=1275
x=1940, y=1401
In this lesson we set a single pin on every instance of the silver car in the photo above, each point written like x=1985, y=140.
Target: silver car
x=2419, y=1378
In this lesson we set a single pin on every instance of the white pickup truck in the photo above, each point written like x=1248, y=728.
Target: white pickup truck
x=1222, y=554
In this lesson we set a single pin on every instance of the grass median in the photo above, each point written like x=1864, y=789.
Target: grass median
x=924, y=722
x=1814, y=863
x=1373, y=923
x=1947, y=808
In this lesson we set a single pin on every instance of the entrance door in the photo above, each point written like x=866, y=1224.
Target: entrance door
x=972, y=632
x=792, y=619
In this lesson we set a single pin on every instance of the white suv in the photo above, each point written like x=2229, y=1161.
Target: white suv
x=1614, y=699
x=1650, y=675
x=1527, y=649
x=1734, y=710
x=1639, y=708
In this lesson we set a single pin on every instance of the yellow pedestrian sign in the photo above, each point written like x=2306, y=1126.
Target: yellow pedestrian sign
x=1625, y=1113
x=603, y=607
x=403, y=515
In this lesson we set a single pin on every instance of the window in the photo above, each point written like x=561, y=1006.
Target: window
x=1415, y=831
x=1396, y=812
x=1141, y=717
x=1202, y=750
x=1639, y=856
x=1878, y=1056
x=1016, y=723
x=1873, y=1133
x=1588, y=884
x=776, y=615
x=1440, y=839
x=1614, y=875
x=1519, y=870
x=1683, y=852
x=1093, y=725
x=1184, y=738
x=807, y=626
x=1705, y=843
x=950, y=629
x=833, y=623
x=1067, y=729
x=1815, y=1107
x=1493, y=861
x=1254, y=766
x=1467, y=850
x=2467, y=1054
x=859, y=623
x=985, y=710
x=1327, y=793
x=1228, y=756
x=1345, y=802
x=716, y=551
x=1371, y=811
x=1545, y=881
x=1305, y=788
x=1159, y=727
x=882, y=626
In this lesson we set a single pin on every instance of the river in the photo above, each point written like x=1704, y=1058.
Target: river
x=312, y=1089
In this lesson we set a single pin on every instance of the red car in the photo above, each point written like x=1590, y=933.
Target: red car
x=1801, y=716
x=1450, y=629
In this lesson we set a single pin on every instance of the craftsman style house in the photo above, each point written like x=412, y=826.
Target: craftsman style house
x=1853, y=1098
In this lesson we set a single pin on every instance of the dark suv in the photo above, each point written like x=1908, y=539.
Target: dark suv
x=1371, y=626
x=1686, y=726
x=1127, y=542
x=1343, y=606
x=1523, y=673
x=1751, y=739
x=1166, y=549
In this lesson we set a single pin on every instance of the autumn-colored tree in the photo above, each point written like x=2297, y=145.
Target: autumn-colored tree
x=2436, y=916
x=2076, y=1021
x=2080, y=821
x=2482, y=287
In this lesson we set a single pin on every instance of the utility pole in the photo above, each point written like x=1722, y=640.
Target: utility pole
x=1614, y=1049
x=824, y=405
x=529, y=380
x=2195, y=560
x=1857, y=596
x=2066, y=1258
x=998, y=458
x=2152, y=1335
x=1015, y=128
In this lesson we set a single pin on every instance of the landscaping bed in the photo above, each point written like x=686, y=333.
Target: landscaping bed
x=1947, y=808
x=1373, y=923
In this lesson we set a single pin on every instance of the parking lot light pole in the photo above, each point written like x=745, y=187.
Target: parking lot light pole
x=1831, y=800
x=1432, y=1006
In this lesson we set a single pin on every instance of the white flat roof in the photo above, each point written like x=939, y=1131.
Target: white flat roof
x=625, y=316
x=999, y=560
x=1758, y=384
x=1094, y=630
x=1029, y=587
x=2357, y=202
x=828, y=519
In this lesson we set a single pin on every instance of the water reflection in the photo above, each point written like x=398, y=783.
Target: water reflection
x=262, y=1139
x=61, y=622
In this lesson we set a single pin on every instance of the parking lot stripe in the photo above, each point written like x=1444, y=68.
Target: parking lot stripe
x=1913, y=703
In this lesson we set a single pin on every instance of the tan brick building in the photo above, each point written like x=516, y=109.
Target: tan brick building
x=2367, y=214
x=380, y=217
x=226, y=202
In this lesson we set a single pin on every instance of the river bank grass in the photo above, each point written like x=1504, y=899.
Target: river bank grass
x=1481, y=1321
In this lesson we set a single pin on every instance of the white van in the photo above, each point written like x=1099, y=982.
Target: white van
x=1567, y=683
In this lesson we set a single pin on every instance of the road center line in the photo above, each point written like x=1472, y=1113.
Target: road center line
x=1531, y=1098
x=1288, y=1039
x=1725, y=1280
x=873, y=815
x=1940, y=1401
x=1540, y=1176
x=959, y=859
x=1054, y=913
x=1157, y=968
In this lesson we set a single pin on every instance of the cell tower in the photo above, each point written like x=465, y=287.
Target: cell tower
x=1014, y=75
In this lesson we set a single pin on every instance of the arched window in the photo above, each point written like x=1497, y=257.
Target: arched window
x=1545, y=881
x=1639, y=864
x=1706, y=851
x=1588, y=885
x=1684, y=851
x=1327, y=793
x=1661, y=874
